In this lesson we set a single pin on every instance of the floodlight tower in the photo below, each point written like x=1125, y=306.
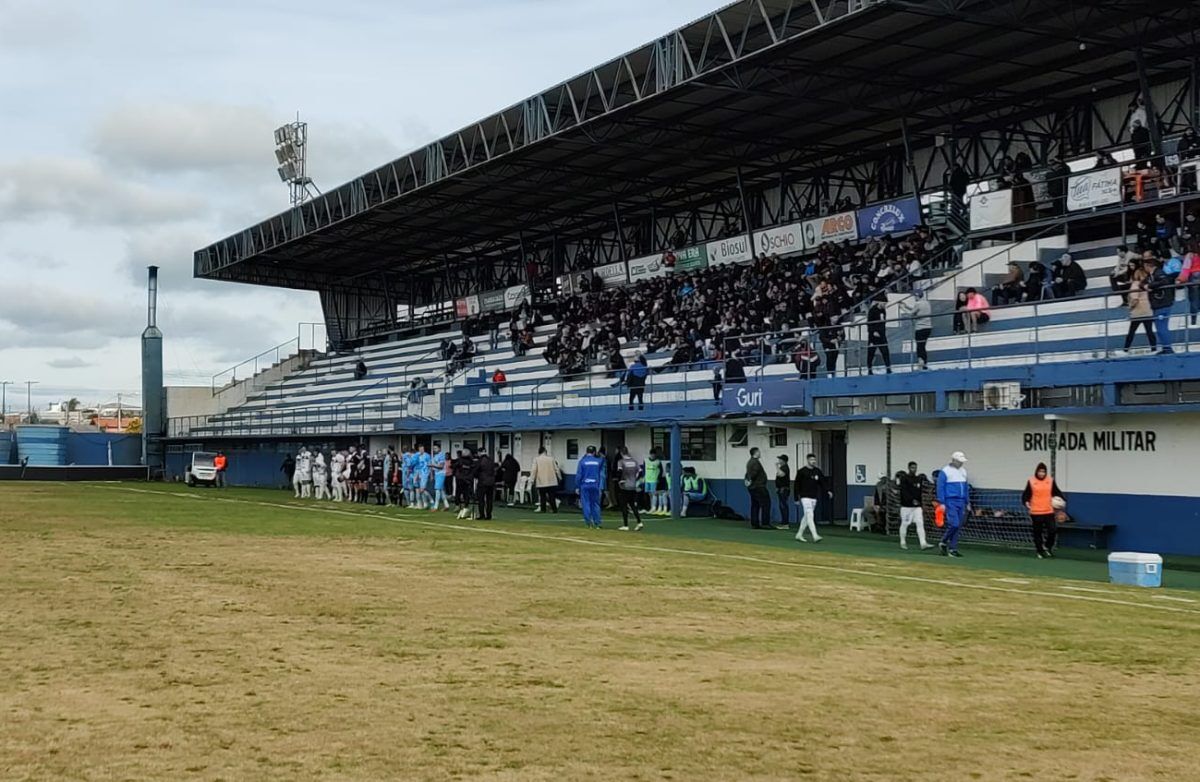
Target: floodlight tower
x=291, y=152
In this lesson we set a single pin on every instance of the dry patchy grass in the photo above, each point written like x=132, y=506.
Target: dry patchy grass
x=153, y=650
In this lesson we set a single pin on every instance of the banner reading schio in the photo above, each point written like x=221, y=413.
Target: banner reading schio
x=784, y=240
x=890, y=217
x=834, y=228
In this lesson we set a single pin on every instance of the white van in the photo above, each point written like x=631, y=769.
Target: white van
x=202, y=470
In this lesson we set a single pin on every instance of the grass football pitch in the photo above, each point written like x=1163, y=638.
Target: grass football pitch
x=151, y=632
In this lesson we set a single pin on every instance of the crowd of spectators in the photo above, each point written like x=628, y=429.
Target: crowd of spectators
x=724, y=311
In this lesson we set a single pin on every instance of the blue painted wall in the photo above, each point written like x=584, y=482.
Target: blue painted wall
x=91, y=448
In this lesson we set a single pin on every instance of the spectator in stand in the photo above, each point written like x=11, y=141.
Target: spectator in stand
x=616, y=365
x=1164, y=233
x=1188, y=149
x=917, y=308
x=735, y=370
x=960, y=312
x=1069, y=279
x=1190, y=276
x=635, y=378
x=360, y=369
x=975, y=313
x=1139, y=137
x=1038, y=285
x=807, y=360
x=877, y=341
x=1162, y=298
x=1011, y=289
x=416, y=390
x=499, y=381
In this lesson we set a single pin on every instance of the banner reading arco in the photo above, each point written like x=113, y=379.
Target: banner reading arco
x=833, y=228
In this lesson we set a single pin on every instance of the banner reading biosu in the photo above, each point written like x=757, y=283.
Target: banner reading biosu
x=735, y=249
x=890, y=217
x=834, y=228
x=1095, y=188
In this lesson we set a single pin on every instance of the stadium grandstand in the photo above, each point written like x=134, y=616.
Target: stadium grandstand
x=872, y=231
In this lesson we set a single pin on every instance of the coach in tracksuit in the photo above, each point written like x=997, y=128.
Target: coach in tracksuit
x=589, y=475
x=954, y=494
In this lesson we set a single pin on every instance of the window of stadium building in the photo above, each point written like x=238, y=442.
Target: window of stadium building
x=572, y=449
x=777, y=437
x=739, y=436
x=696, y=443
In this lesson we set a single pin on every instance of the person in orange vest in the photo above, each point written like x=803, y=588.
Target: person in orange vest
x=219, y=462
x=1042, y=497
x=499, y=381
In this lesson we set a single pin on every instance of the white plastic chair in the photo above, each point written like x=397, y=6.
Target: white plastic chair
x=857, y=520
x=522, y=492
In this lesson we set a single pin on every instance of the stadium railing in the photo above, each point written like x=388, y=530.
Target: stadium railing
x=305, y=339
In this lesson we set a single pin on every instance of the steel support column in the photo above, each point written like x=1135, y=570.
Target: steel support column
x=1151, y=112
x=745, y=208
x=676, y=470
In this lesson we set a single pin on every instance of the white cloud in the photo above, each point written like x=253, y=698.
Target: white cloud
x=88, y=195
x=69, y=362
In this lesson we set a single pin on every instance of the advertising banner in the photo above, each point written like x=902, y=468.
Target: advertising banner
x=646, y=268
x=492, y=301
x=613, y=273
x=991, y=210
x=1095, y=188
x=891, y=217
x=690, y=259
x=467, y=307
x=784, y=240
x=833, y=228
x=515, y=296
x=735, y=249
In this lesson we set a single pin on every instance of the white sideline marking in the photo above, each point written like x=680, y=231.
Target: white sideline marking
x=1172, y=597
x=1013, y=580
x=404, y=519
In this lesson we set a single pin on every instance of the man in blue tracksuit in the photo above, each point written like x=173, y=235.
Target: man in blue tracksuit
x=589, y=477
x=954, y=494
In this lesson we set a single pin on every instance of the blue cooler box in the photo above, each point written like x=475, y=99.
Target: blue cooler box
x=1134, y=569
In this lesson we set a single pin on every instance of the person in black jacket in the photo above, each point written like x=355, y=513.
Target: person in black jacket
x=484, y=475
x=1069, y=278
x=877, y=333
x=912, y=486
x=1162, y=298
x=464, y=471
x=783, y=489
x=811, y=486
x=511, y=470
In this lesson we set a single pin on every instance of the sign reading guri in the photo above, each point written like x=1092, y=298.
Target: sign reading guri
x=833, y=228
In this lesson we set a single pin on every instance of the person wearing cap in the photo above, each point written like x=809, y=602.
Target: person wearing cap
x=589, y=477
x=953, y=494
x=1069, y=279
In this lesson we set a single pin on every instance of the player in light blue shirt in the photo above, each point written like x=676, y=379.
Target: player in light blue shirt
x=421, y=477
x=408, y=463
x=437, y=463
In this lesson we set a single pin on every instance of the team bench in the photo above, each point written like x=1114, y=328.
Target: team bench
x=1097, y=534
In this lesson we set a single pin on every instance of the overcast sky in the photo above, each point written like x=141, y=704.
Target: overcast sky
x=137, y=131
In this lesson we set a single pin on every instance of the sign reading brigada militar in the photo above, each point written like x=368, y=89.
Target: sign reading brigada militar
x=891, y=217
x=1144, y=440
x=834, y=228
x=784, y=240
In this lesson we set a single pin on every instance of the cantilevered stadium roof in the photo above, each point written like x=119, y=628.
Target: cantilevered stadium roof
x=759, y=85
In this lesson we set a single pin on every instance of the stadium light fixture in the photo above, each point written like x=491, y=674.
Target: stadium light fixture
x=291, y=143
